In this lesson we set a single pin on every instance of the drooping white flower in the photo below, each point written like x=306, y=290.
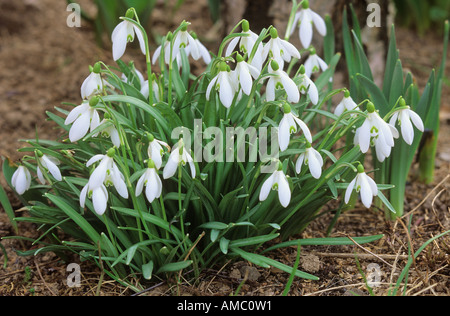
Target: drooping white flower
x=197, y=50
x=376, y=132
x=364, y=185
x=84, y=118
x=347, y=104
x=107, y=173
x=132, y=76
x=110, y=131
x=279, y=79
x=312, y=159
x=155, y=150
x=277, y=182
x=279, y=50
x=99, y=197
x=288, y=125
x=94, y=84
x=21, y=180
x=307, y=86
x=305, y=19
x=151, y=181
x=179, y=155
x=246, y=44
x=124, y=33
x=314, y=64
x=225, y=84
x=167, y=45
x=404, y=117
x=243, y=74
x=47, y=164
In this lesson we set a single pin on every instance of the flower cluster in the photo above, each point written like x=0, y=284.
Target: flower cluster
x=249, y=60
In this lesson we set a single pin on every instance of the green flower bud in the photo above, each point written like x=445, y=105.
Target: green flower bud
x=245, y=26
x=39, y=153
x=273, y=32
x=97, y=68
x=360, y=168
x=346, y=93
x=93, y=101
x=286, y=108
x=111, y=152
x=305, y=4
x=370, y=107
x=130, y=13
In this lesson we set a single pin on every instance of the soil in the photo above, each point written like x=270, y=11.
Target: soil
x=43, y=63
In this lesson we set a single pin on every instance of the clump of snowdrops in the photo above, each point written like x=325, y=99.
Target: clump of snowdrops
x=177, y=172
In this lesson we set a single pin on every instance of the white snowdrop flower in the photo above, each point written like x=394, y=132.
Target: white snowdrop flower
x=314, y=64
x=312, y=159
x=244, y=73
x=107, y=173
x=246, y=44
x=197, y=50
x=404, y=117
x=124, y=33
x=167, y=45
x=279, y=50
x=178, y=156
x=347, y=104
x=288, y=125
x=21, y=180
x=225, y=84
x=307, y=86
x=134, y=73
x=364, y=185
x=277, y=182
x=151, y=181
x=94, y=84
x=155, y=150
x=47, y=164
x=376, y=132
x=305, y=19
x=155, y=89
x=84, y=118
x=279, y=79
x=99, y=197
x=110, y=131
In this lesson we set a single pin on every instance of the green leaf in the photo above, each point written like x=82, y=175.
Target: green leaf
x=147, y=270
x=174, y=266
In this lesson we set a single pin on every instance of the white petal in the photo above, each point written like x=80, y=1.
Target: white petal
x=299, y=163
x=94, y=160
x=99, y=175
x=156, y=54
x=407, y=128
x=171, y=166
x=140, y=37
x=52, y=168
x=266, y=188
x=211, y=85
x=416, y=119
x=80, y=127
x=290, y=49
x=100, y=199
x=319, y=23
x=284, y=133
x=366, y=191
x=313, y=92
x=284, y=192
x=270, y=90
x=305, y=129
x=232, y=46
x=364, y=136
x=119, y=183
x=226, y=92
x=291, y=89
x=141, y=182
x=349, y=191
x=76, y=112
x=119, y=40
x=306, y=32
x=40, y=175
x=314, y=165
x=83, y=195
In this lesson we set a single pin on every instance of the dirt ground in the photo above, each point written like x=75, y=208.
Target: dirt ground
x=43, y=63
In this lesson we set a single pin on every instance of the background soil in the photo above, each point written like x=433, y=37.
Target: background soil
x=43, y=63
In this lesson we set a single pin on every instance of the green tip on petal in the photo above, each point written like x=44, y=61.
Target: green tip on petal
x=111, y=152
x=93, y=101
x=274, y=65
x=245, y=26
x=370, y=107
x=360, y=168
x=273, y=32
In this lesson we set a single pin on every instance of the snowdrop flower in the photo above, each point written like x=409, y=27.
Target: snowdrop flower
x=84, y=118
x=99, y=197
x=280, y=80
x=178, y=156
x=133, y=74
x=312, y=159
x=151, y=181
x=347, y=104
x=244, y=73
x=47, y=164
x=305, y=19
x=405, y=117
x=364, y=185
x=225, y=84
x=167, y=45
x=314, y=64
x=21, y=180
x=197, y=50
x=107, y=173
x=307, y=86
x=288, y=125
x=246, y=44
x=124, y=33
x=278, y=182
x=375, y=131
x=110, y=131
x=280, y=50
x=93, y=84
x=155, y=150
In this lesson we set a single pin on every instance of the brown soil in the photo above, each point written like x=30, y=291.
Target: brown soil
x=43, y=63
